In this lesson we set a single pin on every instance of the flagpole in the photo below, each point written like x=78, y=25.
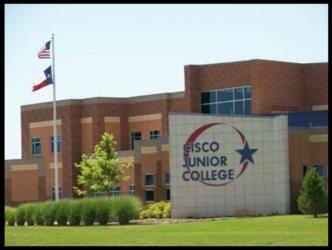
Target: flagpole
x=55, y=149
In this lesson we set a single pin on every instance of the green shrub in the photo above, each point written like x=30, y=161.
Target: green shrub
x=103, y=210
x=20, y=216
x=61, y=211
x=38, y=214
x=88, y=211
x=29, y=213
x=10, y=215
x=125, y=208
x=49, y=211
x=313, y=199
x=74, y=212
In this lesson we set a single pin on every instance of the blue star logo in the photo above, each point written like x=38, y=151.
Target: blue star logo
x=246, y=153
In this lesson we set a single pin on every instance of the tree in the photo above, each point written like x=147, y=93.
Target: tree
x=100, y=171
x=312, y=198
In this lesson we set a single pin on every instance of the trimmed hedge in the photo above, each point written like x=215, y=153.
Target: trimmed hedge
x=125, y=208
x=38, y=214
x=20, y=216
x=61, y=211
x=49, y=212
x=29, y=213
x=103, y=210
x=10, y=215
x=88, y=211
x=74, y=212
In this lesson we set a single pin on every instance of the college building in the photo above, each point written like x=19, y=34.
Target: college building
x=227, y=92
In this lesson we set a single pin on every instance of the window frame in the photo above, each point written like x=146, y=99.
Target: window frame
x=145, y=196
x=133, y=141
x=132, y=191
x=153, y=135
x=34, y=143
x=149, y=185
x=218, y=102
x=58, y=144
x=114, y=191
x=60, y=193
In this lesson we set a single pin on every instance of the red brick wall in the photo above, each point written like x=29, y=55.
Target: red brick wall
x=315, y=79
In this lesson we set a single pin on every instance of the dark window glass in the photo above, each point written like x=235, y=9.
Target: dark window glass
x=225, y=108
x=319, y=169
x=136, y=136
x=225, y=95
x=208, y=97
x=209, y=108
x=238, y=93
x=58, y=144
x=239, y=108
x=149, y=195
x=149, y=179
x=305, y=168
x=60, y=193
x=247, y=107
x=247, y=92
x=168, y=194
x=154, y=134
x=167, y=178
x=36, y=146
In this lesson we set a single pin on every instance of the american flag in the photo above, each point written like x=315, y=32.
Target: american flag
x=44, y=53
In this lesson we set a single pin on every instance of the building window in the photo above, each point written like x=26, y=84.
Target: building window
x=36, y=146
x=319, y=169
x=231, y=101
x=154, y=134
x=60, y=193
x=167, y=178
x=97, y=194
x=149, y=196
x=132, y=190
x=58, y=144
x=136, y=136
x=149, y=180
x=305, y=169
x=116, y=191
x=168, y=194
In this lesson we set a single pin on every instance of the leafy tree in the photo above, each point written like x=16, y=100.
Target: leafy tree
x=312, y=198
x=100, y=171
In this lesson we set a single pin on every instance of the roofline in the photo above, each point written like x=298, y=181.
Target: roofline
x=94, y=100
x=251, y=60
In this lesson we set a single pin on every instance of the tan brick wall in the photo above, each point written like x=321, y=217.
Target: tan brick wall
x=24, y=185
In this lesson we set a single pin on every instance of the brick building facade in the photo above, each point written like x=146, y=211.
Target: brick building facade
x=273, y=87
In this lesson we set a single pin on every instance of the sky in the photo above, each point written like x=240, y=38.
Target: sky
x=117, y=50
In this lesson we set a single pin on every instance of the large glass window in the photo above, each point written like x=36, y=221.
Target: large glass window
x=58, y=144
x=135, y=137
x=36, y=146
x=231, y=101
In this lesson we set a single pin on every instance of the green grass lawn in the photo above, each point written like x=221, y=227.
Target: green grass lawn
x=288, y=230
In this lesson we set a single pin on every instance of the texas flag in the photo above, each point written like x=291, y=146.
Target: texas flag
x=45, y=80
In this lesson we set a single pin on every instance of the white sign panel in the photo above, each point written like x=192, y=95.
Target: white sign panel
x=228, y=166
